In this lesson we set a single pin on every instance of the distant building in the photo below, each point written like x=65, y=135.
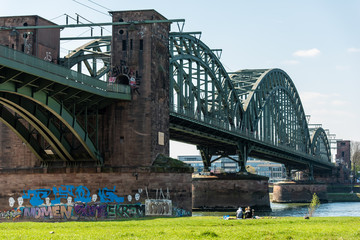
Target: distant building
x=274, y=171
x=343, y=153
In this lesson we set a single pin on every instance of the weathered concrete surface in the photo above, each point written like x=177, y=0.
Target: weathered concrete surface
x=294, y=192
x=228, y=192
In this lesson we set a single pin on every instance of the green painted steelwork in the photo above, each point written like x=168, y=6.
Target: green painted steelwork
x=38, y=120
x=320, y=145
x=12, y=121
x=63, y=93
x=199, y=84
x=57, y=110
x=94, y=51
x=84, y=38
x=273, y=109
x=31, y=65
x=250, y=112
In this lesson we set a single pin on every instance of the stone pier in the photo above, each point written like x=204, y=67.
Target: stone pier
x=227, y=192
x=298, y=192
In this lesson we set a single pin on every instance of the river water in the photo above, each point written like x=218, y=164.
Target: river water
x=338, y=209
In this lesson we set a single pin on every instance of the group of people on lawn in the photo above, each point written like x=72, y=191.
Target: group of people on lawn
x=249, y=213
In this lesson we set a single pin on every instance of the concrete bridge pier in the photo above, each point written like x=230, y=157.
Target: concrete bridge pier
x=298, y=192
x=229, y=191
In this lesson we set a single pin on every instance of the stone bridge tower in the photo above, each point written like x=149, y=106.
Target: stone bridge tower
x=135, y=132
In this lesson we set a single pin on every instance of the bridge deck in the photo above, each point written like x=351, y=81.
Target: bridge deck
x=59, y=82
x=197, y=132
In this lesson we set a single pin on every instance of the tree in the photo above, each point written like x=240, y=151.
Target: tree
x=355, y=156
x=315, y=203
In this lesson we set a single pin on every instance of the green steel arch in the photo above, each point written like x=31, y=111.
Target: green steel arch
x=199, y=85
x=320, y=146
x=96, y=51
x=273, y=109
x=256, y=110
x=27, y=112
x=24, y=102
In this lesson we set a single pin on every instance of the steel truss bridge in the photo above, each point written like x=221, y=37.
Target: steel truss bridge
x=254, y=113
x=257, y=113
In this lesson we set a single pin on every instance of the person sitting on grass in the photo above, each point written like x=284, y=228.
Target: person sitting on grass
x=248, y=213
x=239, y=213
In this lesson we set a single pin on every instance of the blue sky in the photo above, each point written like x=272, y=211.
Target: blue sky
x=316, y=42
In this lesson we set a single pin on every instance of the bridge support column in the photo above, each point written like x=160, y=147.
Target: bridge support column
x=311, y=172
x=206, y=155
x=244, y=149
x=288, y=172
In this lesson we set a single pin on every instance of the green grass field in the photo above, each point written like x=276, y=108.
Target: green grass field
x=188, y=228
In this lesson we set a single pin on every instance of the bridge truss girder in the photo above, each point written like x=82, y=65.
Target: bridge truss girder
x=97, y=51
x=259, y=109
x=273, y=109
x=199, y=85
x=320, y=146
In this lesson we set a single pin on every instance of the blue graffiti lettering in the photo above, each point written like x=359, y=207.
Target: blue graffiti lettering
x=62, y=193
x=108, y=195
x=82, y=194
x=37, y=197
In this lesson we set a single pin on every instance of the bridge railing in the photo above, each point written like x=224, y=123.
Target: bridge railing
x=191, y=115
x=68, y=74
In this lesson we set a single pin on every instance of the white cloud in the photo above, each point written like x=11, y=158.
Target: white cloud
x=307, y=53
x=353, y=50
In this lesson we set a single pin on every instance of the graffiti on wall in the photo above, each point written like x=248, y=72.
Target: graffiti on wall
x=78, y=211
x=73, y=203
x=162, y=205
x=68, y=202
x=156, y=207
x=69, y=193
x=122, y=74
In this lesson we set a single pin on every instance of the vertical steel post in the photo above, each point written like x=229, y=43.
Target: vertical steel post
x=288, y=172
x=243, y=152
x=206, y=155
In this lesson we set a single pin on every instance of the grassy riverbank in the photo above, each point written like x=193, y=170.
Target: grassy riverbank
x=189, y=228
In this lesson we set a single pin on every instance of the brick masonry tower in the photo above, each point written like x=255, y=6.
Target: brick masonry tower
x=136, y=132
x=343, y=153
x=42, y=43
